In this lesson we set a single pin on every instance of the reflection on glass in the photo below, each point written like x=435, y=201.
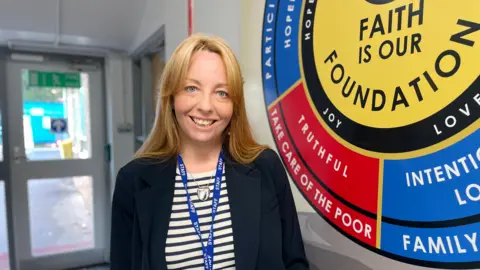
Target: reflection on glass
x=56, y=121
x=4, y=259
x=61, y=218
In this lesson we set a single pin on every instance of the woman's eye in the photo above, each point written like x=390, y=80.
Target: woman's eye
x=190, y=88
x=222, y=94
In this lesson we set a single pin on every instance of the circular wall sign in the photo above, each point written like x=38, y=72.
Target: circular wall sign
x=374, y=106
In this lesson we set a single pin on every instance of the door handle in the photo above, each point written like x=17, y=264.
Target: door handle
x=17, y=155
x=19, y=158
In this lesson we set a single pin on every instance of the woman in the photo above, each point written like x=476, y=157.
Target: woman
x=199, y=163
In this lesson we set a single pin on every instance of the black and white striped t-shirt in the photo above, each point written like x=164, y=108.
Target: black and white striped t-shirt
x=183, y=248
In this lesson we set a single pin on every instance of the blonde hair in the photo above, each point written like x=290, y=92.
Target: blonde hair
x=163, y=140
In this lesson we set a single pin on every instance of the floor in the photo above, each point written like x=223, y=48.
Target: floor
x=94, y=268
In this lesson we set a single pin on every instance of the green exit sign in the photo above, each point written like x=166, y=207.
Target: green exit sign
x=53, y=79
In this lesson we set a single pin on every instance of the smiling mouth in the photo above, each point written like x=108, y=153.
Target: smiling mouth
x=202, y=122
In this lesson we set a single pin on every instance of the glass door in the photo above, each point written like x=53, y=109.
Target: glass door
x=58, y=165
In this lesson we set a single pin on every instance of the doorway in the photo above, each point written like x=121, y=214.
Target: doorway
x=54, y=164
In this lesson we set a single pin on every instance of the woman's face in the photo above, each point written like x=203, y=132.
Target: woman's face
x=203, y=107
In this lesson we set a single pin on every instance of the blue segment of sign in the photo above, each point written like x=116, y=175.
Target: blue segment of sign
x=452, y=244
x=58, y=125
x=268, y=52
x=440, y=186
x=286, y=44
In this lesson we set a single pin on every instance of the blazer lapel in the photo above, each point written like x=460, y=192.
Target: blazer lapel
x=154, y=206
x=243, y=185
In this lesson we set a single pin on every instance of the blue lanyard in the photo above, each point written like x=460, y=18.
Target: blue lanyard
x=207, y=250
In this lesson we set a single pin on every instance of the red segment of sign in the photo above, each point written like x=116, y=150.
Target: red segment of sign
x=351, y=222
x=352, y=176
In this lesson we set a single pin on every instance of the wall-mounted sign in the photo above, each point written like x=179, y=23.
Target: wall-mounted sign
x=374, y=106
x=54, y=79
x=58, y=125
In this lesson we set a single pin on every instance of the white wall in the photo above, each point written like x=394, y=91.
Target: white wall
x=119, y=109
x=169, y=13
x=221, y=18
x=153, y=17
x=176, y=24
x=118, y=79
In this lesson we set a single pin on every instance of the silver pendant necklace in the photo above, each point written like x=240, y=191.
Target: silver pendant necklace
x=203, y=193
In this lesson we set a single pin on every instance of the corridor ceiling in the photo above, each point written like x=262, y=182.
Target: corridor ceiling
x=110, y=24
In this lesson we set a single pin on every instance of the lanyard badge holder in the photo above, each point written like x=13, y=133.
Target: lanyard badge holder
x=208, y=249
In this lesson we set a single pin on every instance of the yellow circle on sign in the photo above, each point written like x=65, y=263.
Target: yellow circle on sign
x=351, y=37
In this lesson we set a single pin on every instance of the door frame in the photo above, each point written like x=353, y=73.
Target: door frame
x=61, y=259
x=5, y=165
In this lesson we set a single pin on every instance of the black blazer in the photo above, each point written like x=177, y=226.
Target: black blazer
x=265, y=226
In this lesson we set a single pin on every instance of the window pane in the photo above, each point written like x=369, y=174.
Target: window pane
x=4, y=255
x=56, y=120
x=61, y=218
